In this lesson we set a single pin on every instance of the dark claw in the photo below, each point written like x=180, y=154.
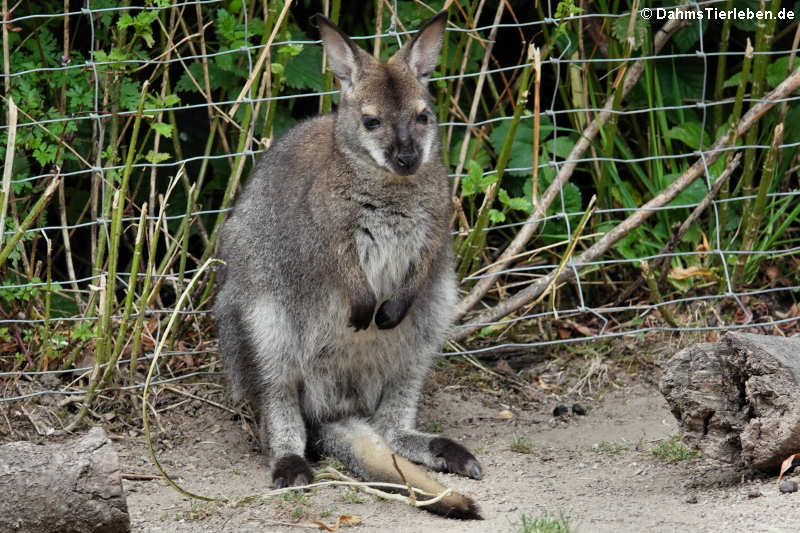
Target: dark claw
x=475, y=471
x=456, y=457
x=291, y=471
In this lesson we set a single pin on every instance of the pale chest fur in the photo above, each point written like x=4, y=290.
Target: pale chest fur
x=387, y=245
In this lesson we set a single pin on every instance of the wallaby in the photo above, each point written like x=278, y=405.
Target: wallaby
x=339, y=288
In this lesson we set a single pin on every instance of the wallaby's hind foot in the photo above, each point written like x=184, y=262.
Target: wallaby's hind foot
x=363, y=451
x=456, y=457
x=375, y=458
x=291, y=471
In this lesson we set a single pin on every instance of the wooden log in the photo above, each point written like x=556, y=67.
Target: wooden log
x=738, y=400
x=74, y=486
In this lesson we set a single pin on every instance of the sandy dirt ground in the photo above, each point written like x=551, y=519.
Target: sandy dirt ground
x=596, y=470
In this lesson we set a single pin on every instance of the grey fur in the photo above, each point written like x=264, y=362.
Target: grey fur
x=336, y=222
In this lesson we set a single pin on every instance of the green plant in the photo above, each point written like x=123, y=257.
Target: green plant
x=297, y=500
x=294, y=496
x=522, y=445
x=674, y=451
x=198, y=511
x=608, y=448
x=435, y=427
x=543, y=524
x=353, y=496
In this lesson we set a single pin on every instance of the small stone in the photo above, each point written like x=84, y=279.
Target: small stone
x=754, y=493
x=560, y=410
x=505, y=414
x=787, y=486
x=690, y=499
x=578, y=409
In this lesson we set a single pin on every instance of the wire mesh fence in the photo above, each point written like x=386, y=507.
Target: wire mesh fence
x=128, y=130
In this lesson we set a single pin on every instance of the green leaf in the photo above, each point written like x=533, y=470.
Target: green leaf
x=522, y=146
x=162, y=128
x=156, y=157
x=689, y=86
x=688, y=133
x=733, y=81
x=518, y=204
x=79, y=99
x=289, y=50
x=777, y=71
x=475, y=182
x=692, y=195
x=560, y=146
x=572, y=199
x=45, y=153
x=171, y=100
x=619, y=29
x=147, y=35
x=792, y=135
x=124, y=21
x=686, y=38
x=218, y=78
x=303, y=71
x=496, y=217
x=229, y=30
x=129, y=94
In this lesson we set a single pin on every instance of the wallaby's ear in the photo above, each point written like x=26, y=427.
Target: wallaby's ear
x=345, y=58
x=422, y=52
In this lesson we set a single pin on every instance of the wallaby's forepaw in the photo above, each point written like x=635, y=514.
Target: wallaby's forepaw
x=392, y=311
x=457, y=458
x=291, y=471
x=362, y=307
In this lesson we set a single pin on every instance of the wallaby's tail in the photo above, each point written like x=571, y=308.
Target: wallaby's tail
x=366, y=454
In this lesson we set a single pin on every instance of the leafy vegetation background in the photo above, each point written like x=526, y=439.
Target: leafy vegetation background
x=138, y=121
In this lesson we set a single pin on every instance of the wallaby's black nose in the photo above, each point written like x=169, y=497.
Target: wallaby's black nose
x=406, y=162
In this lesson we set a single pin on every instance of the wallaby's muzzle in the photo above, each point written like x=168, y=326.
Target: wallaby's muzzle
x=404, y=156
x=405, y=163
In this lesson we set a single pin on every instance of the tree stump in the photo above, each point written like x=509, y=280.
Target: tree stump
x=68, y=487
x=738, y=400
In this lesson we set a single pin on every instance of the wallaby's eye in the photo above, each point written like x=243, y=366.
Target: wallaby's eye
x=371, y=122
x=422, y=119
